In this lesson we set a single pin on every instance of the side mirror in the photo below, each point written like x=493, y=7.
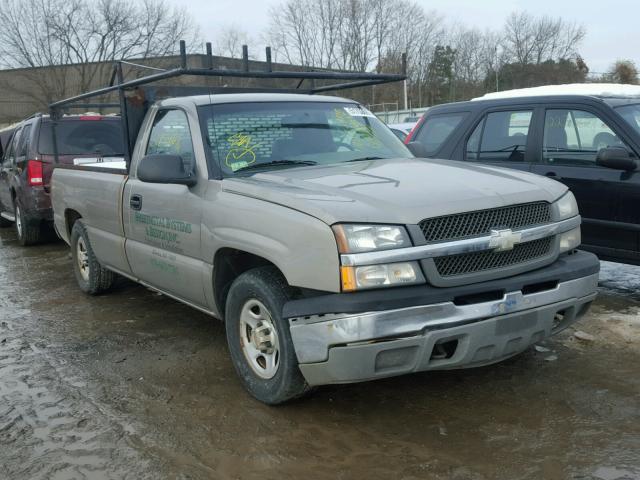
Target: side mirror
x=165, y=169
x=417, y=149
x=617, y=158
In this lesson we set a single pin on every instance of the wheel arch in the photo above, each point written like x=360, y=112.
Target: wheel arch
x=228, y=264
x=71, y=216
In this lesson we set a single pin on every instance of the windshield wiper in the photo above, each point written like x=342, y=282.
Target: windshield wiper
x=361, y=159
x=276, y=163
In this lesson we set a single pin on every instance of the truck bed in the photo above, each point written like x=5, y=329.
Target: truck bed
x=95, y=195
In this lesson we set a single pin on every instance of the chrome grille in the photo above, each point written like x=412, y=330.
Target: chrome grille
x=488, y=260
x=481, y=222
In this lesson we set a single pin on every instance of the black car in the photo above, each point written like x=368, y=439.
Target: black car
x=590, y=142
x=29, y=158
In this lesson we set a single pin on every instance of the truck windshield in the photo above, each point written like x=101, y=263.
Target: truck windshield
x=251, y=136
x=631, y=114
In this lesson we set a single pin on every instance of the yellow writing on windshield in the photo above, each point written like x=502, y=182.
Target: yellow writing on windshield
x=241, y=149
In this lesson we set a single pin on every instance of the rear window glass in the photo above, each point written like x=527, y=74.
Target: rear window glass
x=437, y=129
x=82, y=137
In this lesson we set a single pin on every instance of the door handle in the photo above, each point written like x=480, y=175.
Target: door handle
x=135, y=202
x=553, y=175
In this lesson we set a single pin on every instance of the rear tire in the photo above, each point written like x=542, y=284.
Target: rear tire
x=91, y=276
x=259, y=338
x=28, y=230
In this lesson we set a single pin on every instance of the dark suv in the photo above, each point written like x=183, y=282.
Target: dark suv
x=29, y=158
x=588, y=141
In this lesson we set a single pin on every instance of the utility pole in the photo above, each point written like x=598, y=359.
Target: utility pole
x=404, y=83
x=405, y=93
x=497, y=84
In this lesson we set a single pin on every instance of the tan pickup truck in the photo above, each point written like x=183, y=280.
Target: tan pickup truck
x=329, y=250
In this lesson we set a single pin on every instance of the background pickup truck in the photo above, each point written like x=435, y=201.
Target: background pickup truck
x=332, y=254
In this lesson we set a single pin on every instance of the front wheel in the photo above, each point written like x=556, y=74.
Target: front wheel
x=92, y=277
x=259, y=339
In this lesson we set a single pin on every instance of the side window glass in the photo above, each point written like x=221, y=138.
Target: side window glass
x=23, y=146
x=437, y=129
x=11, y=154
x=473, y=144
x=170, y=135
x=504, y=137
x=574, y=137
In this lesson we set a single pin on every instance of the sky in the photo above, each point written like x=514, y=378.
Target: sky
x=613, y=26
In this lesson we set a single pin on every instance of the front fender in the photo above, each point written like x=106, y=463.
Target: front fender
x=301, y=246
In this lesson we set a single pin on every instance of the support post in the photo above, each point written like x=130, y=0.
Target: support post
x=269, y=65
x=183, y=54
x=209, y=57
x=125, y=117
x=245, y=58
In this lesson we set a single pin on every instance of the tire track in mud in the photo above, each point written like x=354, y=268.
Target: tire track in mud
x=50, y=428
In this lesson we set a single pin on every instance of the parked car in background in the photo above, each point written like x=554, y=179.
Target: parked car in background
x=401, y=130
x=586, y=136
x=29, y=158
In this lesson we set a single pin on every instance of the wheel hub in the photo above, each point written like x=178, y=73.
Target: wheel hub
x=19, y=221
x=83, y=259
x=259, y=339
x=262, y=338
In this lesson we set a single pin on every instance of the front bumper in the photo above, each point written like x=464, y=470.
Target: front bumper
x=343, y=348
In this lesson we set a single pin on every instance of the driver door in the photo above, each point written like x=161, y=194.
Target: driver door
x=163, y=221
x=571, y=140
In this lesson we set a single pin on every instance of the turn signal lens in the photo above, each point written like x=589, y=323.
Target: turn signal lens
x=348, y=279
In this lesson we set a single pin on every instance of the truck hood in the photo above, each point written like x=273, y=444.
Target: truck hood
x=397, y=191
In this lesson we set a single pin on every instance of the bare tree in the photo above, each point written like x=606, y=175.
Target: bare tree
x=445, y=61
x=531, y=40
x=229, y=41
x=85, y=36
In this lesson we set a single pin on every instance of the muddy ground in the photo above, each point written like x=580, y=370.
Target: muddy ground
x=135, y=385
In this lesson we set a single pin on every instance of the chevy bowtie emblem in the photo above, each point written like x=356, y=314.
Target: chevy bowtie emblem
x=503, y=240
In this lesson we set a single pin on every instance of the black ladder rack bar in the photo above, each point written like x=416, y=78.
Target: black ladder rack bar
x=132, y=113
x=354, y=80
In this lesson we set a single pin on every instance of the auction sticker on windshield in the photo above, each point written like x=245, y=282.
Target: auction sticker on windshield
x=358, y=111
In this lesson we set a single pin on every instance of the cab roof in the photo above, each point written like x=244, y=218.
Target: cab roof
x=602, y=90
x=253, y=97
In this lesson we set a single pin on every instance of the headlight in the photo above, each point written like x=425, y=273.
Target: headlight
x=375, y=276
x=356, y=238
x=570, y=240
x=567, y=206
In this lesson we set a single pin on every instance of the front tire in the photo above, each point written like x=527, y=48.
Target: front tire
x=259, y=338
x=92, y=277
x=28, y=230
